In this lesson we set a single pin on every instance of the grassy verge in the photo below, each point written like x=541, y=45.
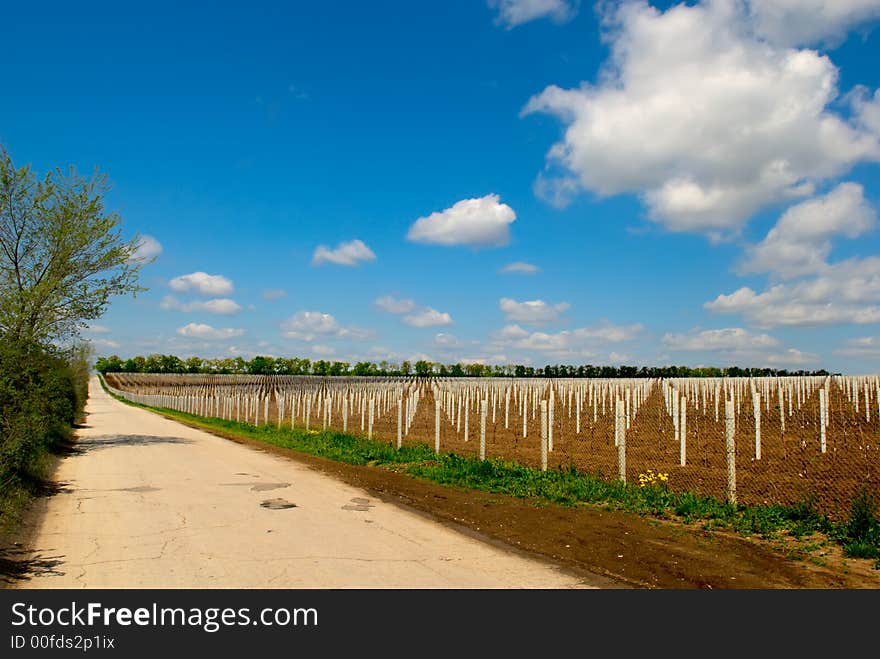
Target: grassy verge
x=859, y=536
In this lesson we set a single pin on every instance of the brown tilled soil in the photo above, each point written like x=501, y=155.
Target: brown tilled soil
x=634, y=551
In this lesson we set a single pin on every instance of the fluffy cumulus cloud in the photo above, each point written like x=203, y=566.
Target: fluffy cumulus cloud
x=519, y=268
x=202, y=331
x=147, y=250
x=219, y=306
x=847, y=292
x=308, y=325
x=351, y=253
x=580, y=342
x=202, y=283
x=411, y=313
x=800, y=242
x=516, y=12
x=391, y=304
x=532, y=312
x=702, y=117
x=481, y=222
x=427, y=317
x=810, y=22
x=728, y=339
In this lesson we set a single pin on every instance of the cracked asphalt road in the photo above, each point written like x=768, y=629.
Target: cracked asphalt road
x=149, y=503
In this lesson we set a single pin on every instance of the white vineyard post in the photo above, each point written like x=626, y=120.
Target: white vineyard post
x=437, y=426
x=483, y=412
x=729, y=431
x=543, y=435
x=372, y=413
x=308, y=411
x=682, y=449
x=266, y=410
x=676, y=436
x=399, y=423
x=467, y=413
x=781, y=411
x=823, y=397
x=550, y=416
x=620, y=424
x=345, y=413
x=756, y=402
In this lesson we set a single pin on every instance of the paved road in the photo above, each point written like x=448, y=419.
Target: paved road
x=150, y=503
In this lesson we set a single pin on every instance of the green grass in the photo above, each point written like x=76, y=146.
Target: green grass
x=860, y=536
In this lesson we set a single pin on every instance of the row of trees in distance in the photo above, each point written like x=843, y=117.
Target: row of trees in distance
x=265, y=365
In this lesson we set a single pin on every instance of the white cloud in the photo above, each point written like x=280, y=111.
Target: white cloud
x=446, y=341
x=271, y=294
x=92, y=328
x=477, y=222
x=519, y=267
x=845, y=293
x=219, y=306
x=702, y=119
x=390, y=304
x=809, y=22
x=581, y=342
x=202, y=331
x=516, y=12
x=148, y=249
x=428, y=318
x=800, y=242
x=791, y=357
x=307, y=325
x=865, y=346
x=202, y=282
x=351, y=253
x=104, y=343
x=740, y=346
x=728, y=339
x=866, y=108
x=324, y=351
x=532, y=312
x=511, y=332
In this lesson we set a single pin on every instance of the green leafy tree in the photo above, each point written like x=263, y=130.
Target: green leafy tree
x=112, y=364
x=62, y=256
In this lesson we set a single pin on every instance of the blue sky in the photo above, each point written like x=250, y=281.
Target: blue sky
x=685, y=183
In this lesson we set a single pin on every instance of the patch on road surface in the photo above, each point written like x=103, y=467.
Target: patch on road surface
x=262, y=487
x=277, y=504
x=258, y=487
x=139, y=489
x=358, y=503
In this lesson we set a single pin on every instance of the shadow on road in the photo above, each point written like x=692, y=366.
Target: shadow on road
x=110, y=441
x=20, y=565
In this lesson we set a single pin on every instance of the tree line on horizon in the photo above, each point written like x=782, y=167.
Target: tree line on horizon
x=266, y=365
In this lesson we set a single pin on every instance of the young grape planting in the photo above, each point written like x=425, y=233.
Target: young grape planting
x=766, y=440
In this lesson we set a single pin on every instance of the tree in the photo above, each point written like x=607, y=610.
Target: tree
x=61, y=255
x=424, y=368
